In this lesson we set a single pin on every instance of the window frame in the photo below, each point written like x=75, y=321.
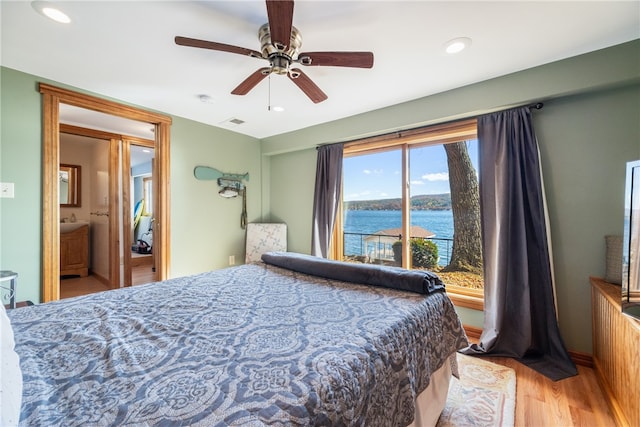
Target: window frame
x=404, y=140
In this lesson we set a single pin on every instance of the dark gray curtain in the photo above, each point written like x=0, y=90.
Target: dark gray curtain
x=519, y=312
x=326, y=197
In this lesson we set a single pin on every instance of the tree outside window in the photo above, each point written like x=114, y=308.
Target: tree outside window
x=439, y=210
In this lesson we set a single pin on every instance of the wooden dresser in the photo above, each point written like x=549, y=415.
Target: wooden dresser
x=616, y=352
x=74, y=252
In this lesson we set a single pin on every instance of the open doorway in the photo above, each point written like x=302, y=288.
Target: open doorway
x=95, y=256
x=52, y=98
x=139, y=205
x=84, y=225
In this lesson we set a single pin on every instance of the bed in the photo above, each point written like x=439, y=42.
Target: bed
x=265, y=343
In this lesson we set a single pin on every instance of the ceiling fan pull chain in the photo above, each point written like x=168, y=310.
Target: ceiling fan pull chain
x=269, y=95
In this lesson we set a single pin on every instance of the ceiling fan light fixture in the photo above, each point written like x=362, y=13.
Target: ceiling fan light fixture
x=273, y=37
x=457, y=45
x=50, y=11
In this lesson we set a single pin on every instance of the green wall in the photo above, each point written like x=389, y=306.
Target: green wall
x=292, y=185
x=205, y=228
x=585, y=142
x=589, y=127
x=21, y=163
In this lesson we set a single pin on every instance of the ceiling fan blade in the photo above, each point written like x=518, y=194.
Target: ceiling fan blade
x=251, y=81
x=337, y=59
x=307, y=85
x=186, y=41
x=280, y=13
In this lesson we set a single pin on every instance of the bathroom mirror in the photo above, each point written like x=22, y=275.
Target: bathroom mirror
x=69, y=178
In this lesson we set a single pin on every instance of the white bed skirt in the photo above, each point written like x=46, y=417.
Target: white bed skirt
x=430, y=403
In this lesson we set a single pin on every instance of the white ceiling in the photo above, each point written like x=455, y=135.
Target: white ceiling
x=126, y=50
x=96, y=120
x=77, y=116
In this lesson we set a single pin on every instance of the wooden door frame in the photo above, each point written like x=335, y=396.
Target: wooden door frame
x=52, y=97
x=113, y=163
x=127, y=142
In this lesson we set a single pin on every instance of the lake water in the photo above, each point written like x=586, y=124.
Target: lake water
x=369, y=222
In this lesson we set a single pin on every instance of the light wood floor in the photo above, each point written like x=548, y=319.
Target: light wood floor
x=76, y=286
x=575, y=401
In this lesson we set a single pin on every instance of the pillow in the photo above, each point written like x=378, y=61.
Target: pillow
x=10, y=374
x=614, y=259
x=421, y=281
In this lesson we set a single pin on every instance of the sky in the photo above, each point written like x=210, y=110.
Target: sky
x=378, y=176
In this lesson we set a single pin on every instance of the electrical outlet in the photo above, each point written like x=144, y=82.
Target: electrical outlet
x=6, y=189
x=232, y=260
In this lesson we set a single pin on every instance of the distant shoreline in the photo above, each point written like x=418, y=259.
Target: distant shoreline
x=424, y=202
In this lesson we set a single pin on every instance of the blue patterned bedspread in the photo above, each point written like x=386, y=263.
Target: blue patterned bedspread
x=246, y=346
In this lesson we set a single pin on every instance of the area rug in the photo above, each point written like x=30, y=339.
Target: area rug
x=485, y=395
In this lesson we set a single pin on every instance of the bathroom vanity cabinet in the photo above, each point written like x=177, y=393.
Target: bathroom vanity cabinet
x=74, y=252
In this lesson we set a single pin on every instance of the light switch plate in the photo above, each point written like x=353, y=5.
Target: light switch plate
x=6, y=189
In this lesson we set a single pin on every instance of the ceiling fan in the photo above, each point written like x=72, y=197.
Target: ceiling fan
x=281, y=43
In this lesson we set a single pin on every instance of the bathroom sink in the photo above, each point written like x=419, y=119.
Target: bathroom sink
x=66, y=227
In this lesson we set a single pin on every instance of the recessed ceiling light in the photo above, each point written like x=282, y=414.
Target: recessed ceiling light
x=50, y=11
x=457, y=45
x=277, y=109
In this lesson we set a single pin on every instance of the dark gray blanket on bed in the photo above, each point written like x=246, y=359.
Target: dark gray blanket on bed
x=251, y=345
x=423, y=282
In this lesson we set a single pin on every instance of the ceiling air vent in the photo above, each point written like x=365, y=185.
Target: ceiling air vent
x=233, y=121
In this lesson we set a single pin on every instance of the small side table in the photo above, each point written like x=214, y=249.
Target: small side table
x=12, y=278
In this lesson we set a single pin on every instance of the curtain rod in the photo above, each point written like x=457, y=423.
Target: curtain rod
x=535, y=105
